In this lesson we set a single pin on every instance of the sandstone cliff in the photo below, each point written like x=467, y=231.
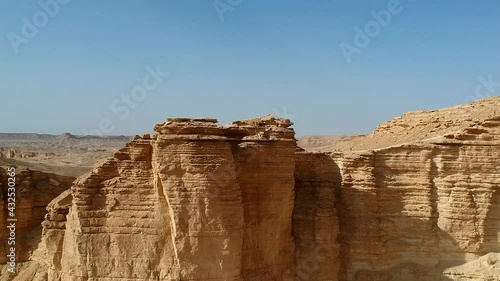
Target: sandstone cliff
x=34, y=192
x=411, y=211
x=195, y=201
x=201, y=201
x=315, y=218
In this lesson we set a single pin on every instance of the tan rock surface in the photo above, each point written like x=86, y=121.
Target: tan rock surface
x=486, y=267
x=409, y=127
x=34, y=191
x=201, y=201
x=419, y=200
x=410, y=211
x=196, y=201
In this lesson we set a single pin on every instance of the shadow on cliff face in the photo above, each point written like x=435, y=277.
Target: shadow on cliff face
x=315, y=225
x=425, y=263
x=33, y=191
x=389, y=224
x=492, y=228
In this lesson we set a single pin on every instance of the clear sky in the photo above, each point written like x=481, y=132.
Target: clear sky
x=66, y=67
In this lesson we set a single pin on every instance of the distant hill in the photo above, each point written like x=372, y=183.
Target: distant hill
x=46, y=137
x=410, y=127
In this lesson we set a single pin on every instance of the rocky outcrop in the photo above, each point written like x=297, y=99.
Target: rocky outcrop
x=410, y=127
x=34, y=191
x=426, y=210
x=16, y=153
x=410, y=212
x=195, y=201
x=201, y=201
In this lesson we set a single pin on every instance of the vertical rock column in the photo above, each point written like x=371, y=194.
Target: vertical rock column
x=114, y=230
x=315, y=218
x=265, y=160
x=194, y=166
x=196, y=201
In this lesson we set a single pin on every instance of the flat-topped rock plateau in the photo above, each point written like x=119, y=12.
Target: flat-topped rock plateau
x=416, y=200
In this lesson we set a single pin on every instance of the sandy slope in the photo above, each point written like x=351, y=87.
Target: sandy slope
x=409, y=127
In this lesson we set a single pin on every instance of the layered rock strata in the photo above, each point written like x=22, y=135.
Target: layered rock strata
x=409, y=212
x=201, y=201
x=195, y=201
x=315, y=219
x=34, y=191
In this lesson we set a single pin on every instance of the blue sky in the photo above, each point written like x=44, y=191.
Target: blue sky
x=255, y=57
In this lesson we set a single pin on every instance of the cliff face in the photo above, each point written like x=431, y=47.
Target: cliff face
x=16, y=153
x=34, y=191
x=196, y=201
x=315, y=218
x=201, y=201
x=411, y=212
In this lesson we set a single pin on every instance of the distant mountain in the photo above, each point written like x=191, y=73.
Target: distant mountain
x=48, y=137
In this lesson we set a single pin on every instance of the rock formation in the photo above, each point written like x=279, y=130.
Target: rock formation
x=16, y=153
x=410, y=127
x=195, y=201
x=34, y=192
x=315, y=218
x=201, y=201
x=413, y=210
